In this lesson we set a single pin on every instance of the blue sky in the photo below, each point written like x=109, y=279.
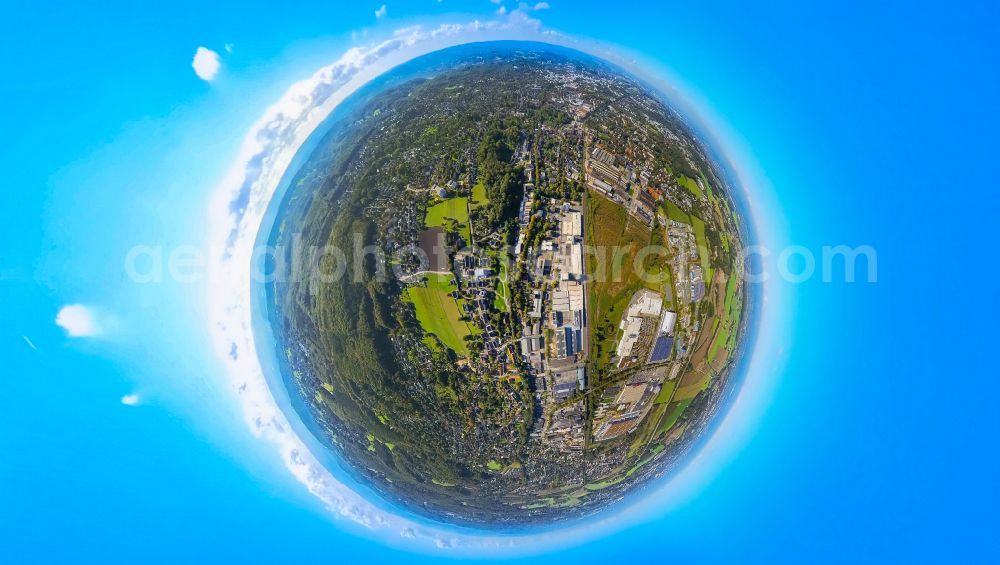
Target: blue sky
x=871, y=437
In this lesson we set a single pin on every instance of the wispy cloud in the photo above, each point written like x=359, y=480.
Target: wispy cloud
x=78, y=321
x=381, y=12
x=206, y=63
x=501, y=10
x=30, y=344
x=130, y=399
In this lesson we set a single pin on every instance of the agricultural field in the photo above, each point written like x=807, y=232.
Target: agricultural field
x=692, y=385
x=676, y=409
x=703, y=249
x=730, y=315
x=439, y=313
x=665, y=393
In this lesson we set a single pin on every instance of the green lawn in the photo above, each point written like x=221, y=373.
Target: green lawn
x=452, y=213
x=665, y=392
x=691, y=185
x=479, y=197
x=438, y=313
x=501, y=301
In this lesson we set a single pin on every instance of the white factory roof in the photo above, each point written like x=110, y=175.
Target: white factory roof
x=649, y=303
x=667, y=323
x=572, y=224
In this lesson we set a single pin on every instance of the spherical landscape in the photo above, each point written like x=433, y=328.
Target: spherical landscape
x=508, y=287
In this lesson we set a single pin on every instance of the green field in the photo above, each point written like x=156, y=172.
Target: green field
x=610, y=292
x=665, y=392
x=501, y=301
x=604, y=484
x=691, y=185
x=689, y=391
x=720, y=342
x=708, y=185
x=676, y=409
x=668, y=284
x=730, y=294
x=675, y=213
x=703, y=250
x=438, y=313
x=479, y=197
x=451, y=214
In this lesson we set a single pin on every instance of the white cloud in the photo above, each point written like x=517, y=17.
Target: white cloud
x=525, y=7
x=29, y=342
x=228, y=47
x=381, y=12
x=501, y=10
x=78, y=321
x=206, y=63
x=130, y=399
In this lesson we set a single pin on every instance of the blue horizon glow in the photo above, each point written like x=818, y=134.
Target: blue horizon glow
x=466, y=539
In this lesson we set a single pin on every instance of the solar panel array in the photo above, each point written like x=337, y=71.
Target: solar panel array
x=661, y=349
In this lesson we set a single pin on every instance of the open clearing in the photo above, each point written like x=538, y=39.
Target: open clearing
x=502, y=299
x=451, y=214
x=438, y=313
x=676, y=409
x=691, y=185
x=479, y=197
x=665, y=392
x=613, y=233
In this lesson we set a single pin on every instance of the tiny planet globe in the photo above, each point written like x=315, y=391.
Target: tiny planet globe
x=508, y=287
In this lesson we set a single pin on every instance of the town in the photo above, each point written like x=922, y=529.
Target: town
x=566, y=301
